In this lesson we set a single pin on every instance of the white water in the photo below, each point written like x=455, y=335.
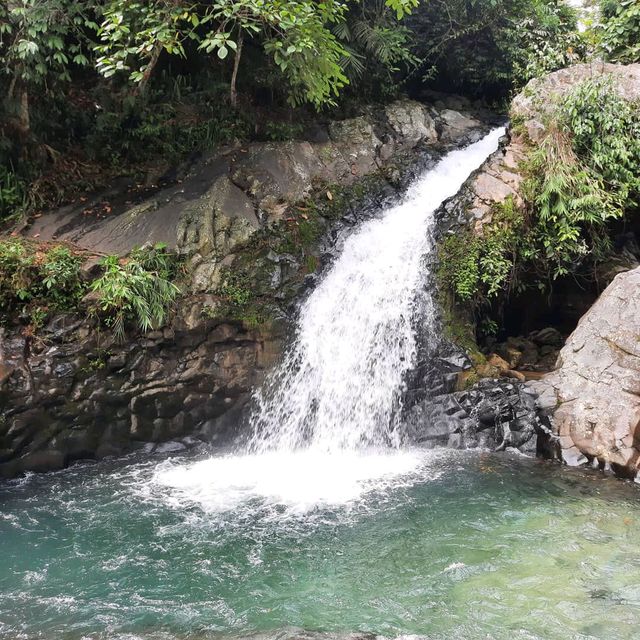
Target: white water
x=326, y=427
x=341, y=383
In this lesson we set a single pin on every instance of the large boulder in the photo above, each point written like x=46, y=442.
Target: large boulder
x=594, y=395
x=539, y=98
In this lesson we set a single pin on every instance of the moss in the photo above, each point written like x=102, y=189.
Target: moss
x=459, y=325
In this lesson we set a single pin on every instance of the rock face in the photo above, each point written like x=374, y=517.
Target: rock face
x=74, y=392
x=494, y=414
x=221, y=200
x=594, y=395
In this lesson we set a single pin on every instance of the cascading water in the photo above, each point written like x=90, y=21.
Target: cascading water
x=334, y=402
x=341, y=383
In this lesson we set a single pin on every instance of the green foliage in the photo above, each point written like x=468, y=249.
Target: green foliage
x=619, y=31
x=488, y=47
x=581, y=176
x=377, y=46
x=296, y=36
x=240, y=299
x=545, y=41
x=12, y=192
x=44, y=39
x=36, y=281
x=144, y=128
x=136, y=289
x=278, y=131
x=478, y=267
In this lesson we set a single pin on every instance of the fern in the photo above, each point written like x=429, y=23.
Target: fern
x=137, y=288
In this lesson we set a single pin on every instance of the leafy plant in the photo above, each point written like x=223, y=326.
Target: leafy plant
x=12, y=192
x=618, y=33
x=40, y=42
x=488, y=47
x=294, y=34
x=35, y=280
x=137, y=289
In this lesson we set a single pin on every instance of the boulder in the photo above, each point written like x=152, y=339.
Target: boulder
x=596, y=387
x=455, y=124
x=537, y=101
x=411, y=122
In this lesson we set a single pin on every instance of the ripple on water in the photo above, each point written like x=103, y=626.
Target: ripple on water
x=446, y=545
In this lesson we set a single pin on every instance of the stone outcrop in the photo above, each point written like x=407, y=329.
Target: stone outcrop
x=74, y=392
x=533, y=106
x=216, y=204
x=592, y=399
x=594, y=395
x=500, y=177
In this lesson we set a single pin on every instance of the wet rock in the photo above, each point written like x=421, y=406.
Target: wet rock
x=411, y=122
x=547, y=337
x=493, y=413
x=170, y=447
x=455, y=124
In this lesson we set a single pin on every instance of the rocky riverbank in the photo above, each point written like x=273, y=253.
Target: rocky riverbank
x=588, y=390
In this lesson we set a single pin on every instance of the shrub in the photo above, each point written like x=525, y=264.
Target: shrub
x=35, y=281
x=12, y=192
x=476, y=268
x=583, y=174
x=136, y=289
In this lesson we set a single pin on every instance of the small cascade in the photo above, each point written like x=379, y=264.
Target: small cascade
x=341, y=382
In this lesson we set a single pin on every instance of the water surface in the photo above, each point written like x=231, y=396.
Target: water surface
x=461, y=545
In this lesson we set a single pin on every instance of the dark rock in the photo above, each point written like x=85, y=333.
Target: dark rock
x=88, y=396
x=548, y=337
x=497, y=414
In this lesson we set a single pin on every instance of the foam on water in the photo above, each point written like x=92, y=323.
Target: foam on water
x=299, y=481
x=326, y=428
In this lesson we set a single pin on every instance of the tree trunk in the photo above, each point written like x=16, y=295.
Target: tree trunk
x=24, y=119
x=155, y=56
x=233, y=93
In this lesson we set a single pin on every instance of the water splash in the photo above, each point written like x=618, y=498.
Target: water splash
x=341, y=382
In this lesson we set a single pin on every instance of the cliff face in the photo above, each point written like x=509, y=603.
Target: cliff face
x=71, y=391
x=591, y=397
x=74, y=392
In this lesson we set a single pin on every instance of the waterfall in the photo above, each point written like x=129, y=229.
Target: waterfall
x=326, y=426
x=341, y=382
